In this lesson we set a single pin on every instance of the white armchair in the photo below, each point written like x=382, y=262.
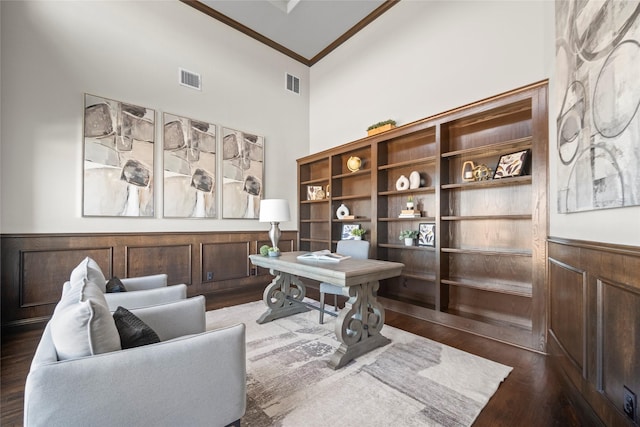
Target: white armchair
x=141, y=291
x=192, y=377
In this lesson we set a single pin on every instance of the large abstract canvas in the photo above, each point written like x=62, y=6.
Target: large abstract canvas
x=598, y=81
x=118, y=158
x=243, y=174
x=189, y=167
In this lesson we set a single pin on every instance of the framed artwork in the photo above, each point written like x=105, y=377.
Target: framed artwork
x=189, y=155
x=513, y=164
x=427, y=234
x=119, y=141
x=346, y=231
x=315, y=192
x=242, y=174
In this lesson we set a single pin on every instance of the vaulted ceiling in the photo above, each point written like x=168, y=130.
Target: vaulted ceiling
x=305, y=30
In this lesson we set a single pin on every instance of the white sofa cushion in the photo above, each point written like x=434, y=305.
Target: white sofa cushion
x=90, y=270
x=82, y=324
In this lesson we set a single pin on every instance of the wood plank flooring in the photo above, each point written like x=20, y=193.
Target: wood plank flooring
x=532, y=395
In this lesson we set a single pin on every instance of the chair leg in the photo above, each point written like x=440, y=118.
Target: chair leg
x=335, y=302
x=321, y=320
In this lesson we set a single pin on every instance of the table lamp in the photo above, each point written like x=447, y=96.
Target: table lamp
x=274, y=211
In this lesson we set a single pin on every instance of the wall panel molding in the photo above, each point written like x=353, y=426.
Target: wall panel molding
x=35, y=266
x=609, y=298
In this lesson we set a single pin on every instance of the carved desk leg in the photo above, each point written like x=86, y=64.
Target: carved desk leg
x=359, y=324
x=275, y=296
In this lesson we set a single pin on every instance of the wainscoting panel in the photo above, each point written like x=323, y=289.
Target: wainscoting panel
x=174, y=260
x=35, y=266
x=594, y=335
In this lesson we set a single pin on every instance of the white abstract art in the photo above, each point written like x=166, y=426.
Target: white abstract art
x=598, y=83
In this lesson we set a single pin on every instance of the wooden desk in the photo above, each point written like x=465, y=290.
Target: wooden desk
x=359, y=323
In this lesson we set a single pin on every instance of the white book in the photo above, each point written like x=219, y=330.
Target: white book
x=323, y=255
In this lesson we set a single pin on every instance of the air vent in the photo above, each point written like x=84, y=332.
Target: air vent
x=189, y=79
x=293, y=84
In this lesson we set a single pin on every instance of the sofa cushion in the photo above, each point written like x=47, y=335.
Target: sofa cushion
x=133, y=331
x=82, y=324
x=115, y=285
x=90, y=270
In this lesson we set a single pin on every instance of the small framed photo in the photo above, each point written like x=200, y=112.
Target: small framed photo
x=514, y=164
x=427, y=234
x=346, y=231
x=314, y=192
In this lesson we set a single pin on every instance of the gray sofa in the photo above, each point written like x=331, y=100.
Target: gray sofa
x=191, y=378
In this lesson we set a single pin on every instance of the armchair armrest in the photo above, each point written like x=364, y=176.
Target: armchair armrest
x=143, y=298
x=144, y=282
x=194, y=380
x=175, y=319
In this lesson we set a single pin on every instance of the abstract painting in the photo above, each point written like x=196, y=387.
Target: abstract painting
x=118, y=158
x=242, y=174
x=189, y=167
x=598, y=81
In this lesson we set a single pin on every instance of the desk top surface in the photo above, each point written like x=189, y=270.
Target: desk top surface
x=347, y=272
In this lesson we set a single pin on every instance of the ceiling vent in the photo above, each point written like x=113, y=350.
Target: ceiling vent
x=293, y=84
x=189, y=79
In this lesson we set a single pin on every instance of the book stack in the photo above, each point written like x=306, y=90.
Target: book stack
x=409, y=213
x=349, y=217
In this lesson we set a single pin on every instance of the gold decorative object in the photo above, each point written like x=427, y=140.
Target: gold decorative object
x=467, y=171
x=354, y=163
x=481, y=173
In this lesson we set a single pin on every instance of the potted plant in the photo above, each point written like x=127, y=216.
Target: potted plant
x=410, y=202
x=357, y=233
x=408, y=236
x=381, y=127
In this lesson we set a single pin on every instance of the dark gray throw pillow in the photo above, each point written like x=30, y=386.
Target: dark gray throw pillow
x=115, y=285
x=133, y=331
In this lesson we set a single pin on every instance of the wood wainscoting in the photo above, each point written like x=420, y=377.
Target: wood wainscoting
x=35, y=266
x=594, y=322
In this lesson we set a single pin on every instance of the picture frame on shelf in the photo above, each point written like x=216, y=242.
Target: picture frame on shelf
x=427, y=234
x=513, y=164
x=315, y=192
x=346, y=231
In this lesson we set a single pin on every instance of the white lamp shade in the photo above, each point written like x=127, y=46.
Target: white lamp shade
x=274, y=210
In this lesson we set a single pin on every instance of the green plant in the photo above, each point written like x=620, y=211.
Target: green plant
x=410, y=199
x=408, y=234
x=264, y=250
x=274, y=249
x=358, y=231
x=386, y=122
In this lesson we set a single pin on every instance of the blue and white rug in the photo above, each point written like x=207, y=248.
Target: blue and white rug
x=413, y=381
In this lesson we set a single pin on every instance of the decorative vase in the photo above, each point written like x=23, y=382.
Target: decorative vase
x=402, y=183
x=342, y=211
x=408, y=241
x=409, y=205
x=414, y=180
x=357, y=237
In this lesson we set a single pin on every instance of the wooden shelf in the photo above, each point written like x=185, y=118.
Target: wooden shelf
x=488, y=252
x=485, y=217
x=419, y=190
x=516, y=180
x=413, y=162
x=484, y=150
x=512, y=288
x=485, y=274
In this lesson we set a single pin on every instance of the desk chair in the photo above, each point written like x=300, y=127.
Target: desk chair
x=358, y=249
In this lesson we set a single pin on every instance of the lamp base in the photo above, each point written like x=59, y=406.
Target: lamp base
x=274, y=234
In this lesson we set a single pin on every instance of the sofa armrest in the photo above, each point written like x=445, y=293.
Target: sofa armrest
x=175, y=319
x=143, y=298
x=145, y=282
x=194, y=380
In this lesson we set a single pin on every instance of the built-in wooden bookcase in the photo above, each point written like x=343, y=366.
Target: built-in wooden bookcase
x=485, y=272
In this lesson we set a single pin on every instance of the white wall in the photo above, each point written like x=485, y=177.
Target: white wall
x=55, y=51
x=424, y=57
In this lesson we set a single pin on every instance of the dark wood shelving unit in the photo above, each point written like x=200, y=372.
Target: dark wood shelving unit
x=485, y=272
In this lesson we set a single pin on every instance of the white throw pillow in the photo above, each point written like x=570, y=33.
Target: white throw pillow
x=90, y=270
x=82, y=324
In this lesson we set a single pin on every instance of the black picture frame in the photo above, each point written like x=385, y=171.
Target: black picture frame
x=427, y=234
x=346, y=231
x=512, y=164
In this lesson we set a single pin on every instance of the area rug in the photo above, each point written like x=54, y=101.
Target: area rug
x=413, y=381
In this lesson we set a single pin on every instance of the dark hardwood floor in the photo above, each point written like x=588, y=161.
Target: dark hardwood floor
x=532, y=395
